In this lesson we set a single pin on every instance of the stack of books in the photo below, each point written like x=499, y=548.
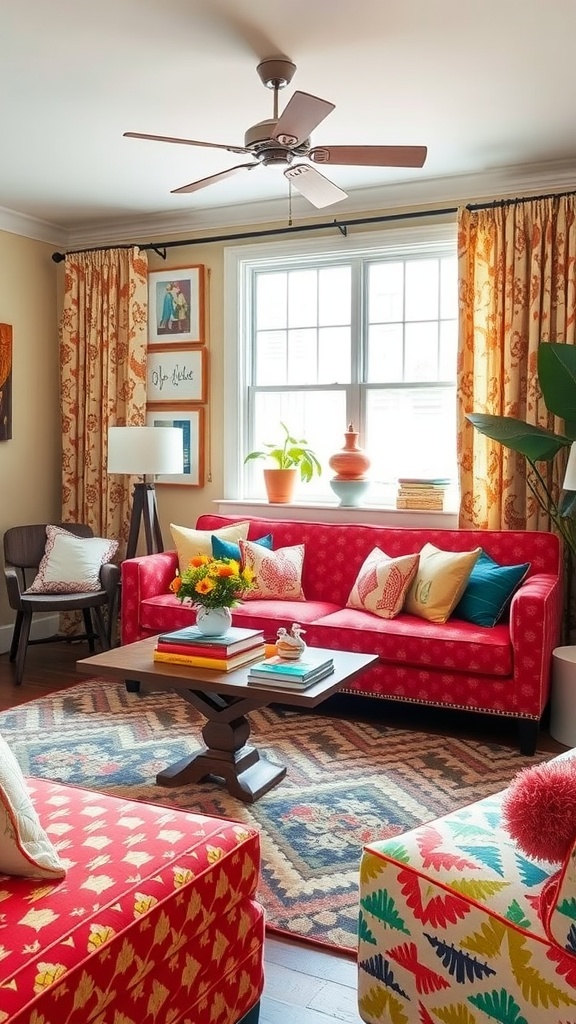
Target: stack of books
x=421, y=493
x=224, y=653
x=291, y=675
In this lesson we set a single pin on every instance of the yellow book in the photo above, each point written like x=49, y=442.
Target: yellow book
x=219, y=664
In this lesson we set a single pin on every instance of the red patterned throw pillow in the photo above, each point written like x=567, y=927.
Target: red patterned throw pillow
x=278, y=574
x=382, y=583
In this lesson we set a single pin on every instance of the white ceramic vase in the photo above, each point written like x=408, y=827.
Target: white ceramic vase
x=213, y=621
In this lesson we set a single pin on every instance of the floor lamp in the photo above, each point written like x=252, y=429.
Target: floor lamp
x=145, y=451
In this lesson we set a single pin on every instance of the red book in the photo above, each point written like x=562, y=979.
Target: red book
x=203, y=651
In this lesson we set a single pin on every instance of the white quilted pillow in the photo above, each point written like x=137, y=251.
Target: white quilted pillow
x=25, y=849
x=71, y=565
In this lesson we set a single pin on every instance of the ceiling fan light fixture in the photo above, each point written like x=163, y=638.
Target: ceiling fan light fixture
x=276, y=72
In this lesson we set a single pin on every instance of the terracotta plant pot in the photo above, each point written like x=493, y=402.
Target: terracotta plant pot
x=280, y=485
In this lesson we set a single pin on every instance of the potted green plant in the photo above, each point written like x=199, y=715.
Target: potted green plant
x=557, y=379
x=293, y=457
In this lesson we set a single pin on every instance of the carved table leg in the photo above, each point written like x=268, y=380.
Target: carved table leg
x=227, y=754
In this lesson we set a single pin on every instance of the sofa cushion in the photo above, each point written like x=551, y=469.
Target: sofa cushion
x=489, y=590
x=277, y=574
x=71, y=564
x=190, y=543
x=382, y=583
x=439, y=582
x=25, y=849
x=270, y=615
x=409, y=640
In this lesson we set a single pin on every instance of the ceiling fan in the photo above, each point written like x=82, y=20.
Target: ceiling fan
x=285, y=140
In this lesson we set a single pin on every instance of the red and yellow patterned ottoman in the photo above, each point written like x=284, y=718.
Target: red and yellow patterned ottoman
x=154, y=923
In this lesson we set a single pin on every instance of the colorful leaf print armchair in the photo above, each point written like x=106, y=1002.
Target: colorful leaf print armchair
x=458, y=926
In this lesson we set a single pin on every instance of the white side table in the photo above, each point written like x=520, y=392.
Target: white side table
x=563, y=705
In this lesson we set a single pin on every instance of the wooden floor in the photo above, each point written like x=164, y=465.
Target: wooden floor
x=303, y=984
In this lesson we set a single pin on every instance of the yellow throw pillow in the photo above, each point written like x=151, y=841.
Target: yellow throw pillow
x=382, y=583
x=189, y=543
x=278, y=574
x=440, y=582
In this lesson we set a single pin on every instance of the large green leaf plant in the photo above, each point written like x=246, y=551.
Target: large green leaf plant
x=557, y=379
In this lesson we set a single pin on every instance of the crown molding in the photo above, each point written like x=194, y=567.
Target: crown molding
x=29, y=227
x=423, y=193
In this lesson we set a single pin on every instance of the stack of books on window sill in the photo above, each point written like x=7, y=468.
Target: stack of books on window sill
x=422, y=493
x=291, y=675
x=223, y=653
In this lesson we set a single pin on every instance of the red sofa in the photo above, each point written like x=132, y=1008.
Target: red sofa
x=502, y=670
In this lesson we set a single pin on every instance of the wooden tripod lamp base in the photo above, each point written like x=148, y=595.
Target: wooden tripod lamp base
x=144, y=512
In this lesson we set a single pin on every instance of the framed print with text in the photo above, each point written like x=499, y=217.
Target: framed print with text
x=176, y=306
x=176, y=375
x=191, y=421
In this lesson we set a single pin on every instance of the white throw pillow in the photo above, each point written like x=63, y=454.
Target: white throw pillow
x=190, y=543
x=25, y=849
x=71, y=565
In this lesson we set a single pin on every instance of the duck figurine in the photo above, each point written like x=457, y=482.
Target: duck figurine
x=290, y=645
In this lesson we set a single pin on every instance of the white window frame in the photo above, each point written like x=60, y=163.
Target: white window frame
x=240, y=260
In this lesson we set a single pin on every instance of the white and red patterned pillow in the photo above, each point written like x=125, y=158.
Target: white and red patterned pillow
x=25, y=849
x=278, y=574
x=71, y=564
x=382, y=583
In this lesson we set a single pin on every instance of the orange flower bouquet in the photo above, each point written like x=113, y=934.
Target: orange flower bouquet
x=213, y=582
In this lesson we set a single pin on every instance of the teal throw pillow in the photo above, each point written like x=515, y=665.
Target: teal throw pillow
x=489, y=591
x=228, y=549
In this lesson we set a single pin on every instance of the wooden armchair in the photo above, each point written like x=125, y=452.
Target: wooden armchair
x=24, y=548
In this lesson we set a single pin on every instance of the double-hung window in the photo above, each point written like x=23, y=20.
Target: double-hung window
x=327, y=333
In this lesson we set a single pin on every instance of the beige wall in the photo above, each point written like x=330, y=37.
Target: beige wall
x=30, y=462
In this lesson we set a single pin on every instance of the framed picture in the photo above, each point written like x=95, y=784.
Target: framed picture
x=176, y=306
x=5, y=382
x=176, y=375
x=192, y=423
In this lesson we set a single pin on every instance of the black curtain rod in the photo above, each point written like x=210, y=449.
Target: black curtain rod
x=341, y=225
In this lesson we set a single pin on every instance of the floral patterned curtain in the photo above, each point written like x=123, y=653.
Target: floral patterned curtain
x=103, y=381
x=517, y=287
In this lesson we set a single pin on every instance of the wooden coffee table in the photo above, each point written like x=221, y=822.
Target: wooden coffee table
x=226, y=700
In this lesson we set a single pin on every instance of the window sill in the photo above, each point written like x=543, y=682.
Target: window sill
x=445, y=520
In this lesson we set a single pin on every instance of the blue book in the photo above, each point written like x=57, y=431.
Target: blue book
x=233, y=641
x=301, y=670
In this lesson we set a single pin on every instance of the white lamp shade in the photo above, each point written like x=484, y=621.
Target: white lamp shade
x=570, y=474
x=144, y=451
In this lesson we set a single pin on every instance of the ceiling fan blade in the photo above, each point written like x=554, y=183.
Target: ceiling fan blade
x=185, y=142
x=369, y=156
x=195, y=186
x=314, y=186
x=302, y=114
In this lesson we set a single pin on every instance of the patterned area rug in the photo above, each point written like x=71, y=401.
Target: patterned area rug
x=347, y=783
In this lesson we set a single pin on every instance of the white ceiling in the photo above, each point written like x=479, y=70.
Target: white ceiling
x=486, y=87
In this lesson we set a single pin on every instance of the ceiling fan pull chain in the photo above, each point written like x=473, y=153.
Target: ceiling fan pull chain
x=289, y=203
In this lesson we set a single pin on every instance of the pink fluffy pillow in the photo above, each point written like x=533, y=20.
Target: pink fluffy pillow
x=539, y=809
